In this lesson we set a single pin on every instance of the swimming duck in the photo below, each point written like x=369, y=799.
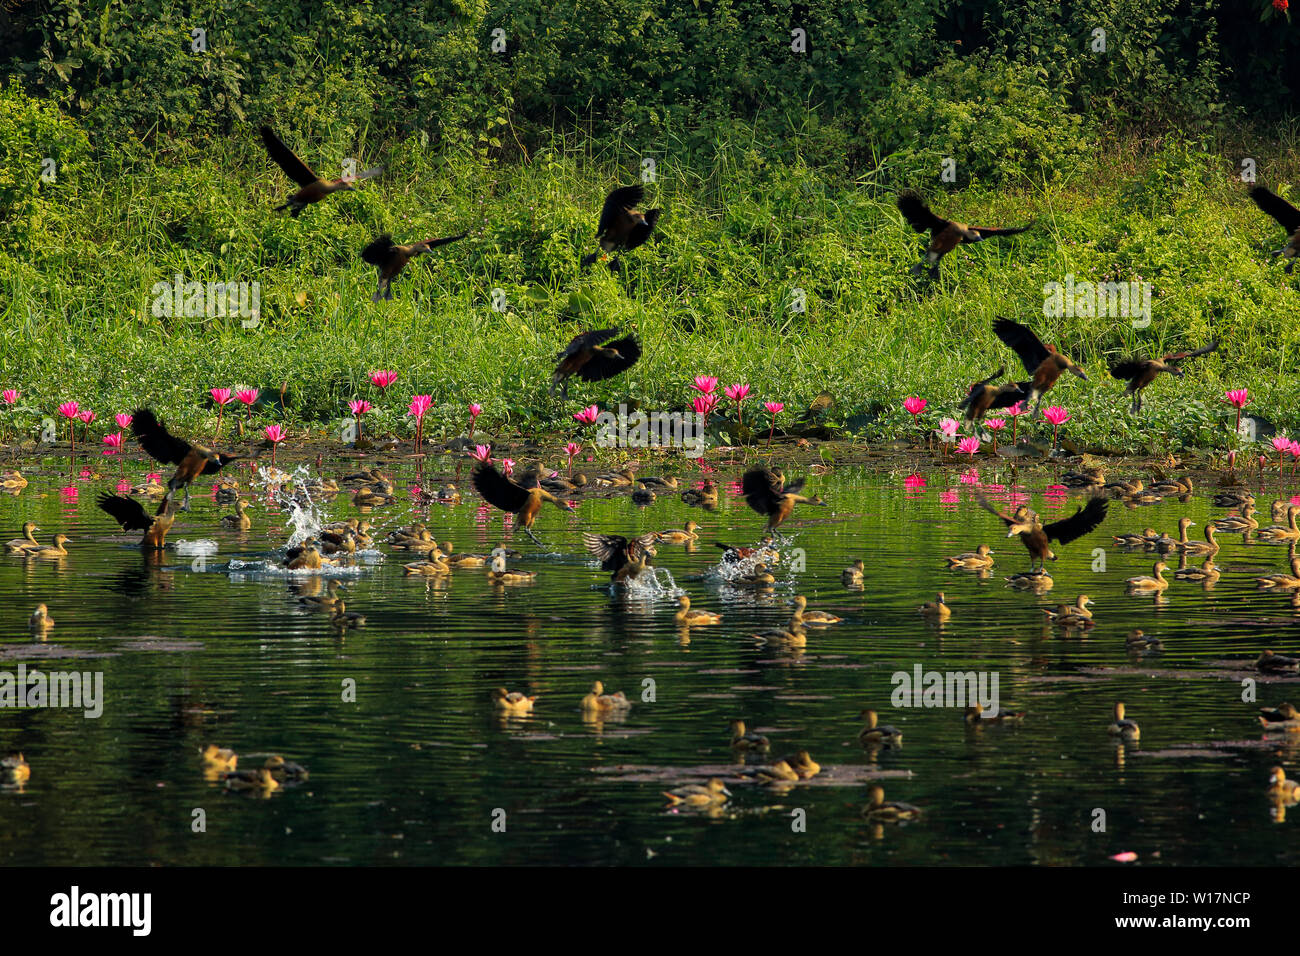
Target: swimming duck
x=1207, y=547
x=512, y=703
x=663, y=484
x=695, y=618
x=26, y=543
x=239, y=521
x=623, y=478
x=1173, y=486
x=1132, y=539
x=259, y=779
x=14, y=769
x=746, y=740
x=220, y=758
x=1143, y=583
x=852, y=575
x=40, y=621
x=1286, y=532
x=1233, y=498
x=937, y=609
x=1280, y=787
x=1241, y=523
x=55, y=550
x=758, y=578
x=975, y=715
x=499, y=574
x=337, y=543
x=1124, y=486
x=1072, y=615
x=1136, y=642
x=979, y=559
x=695, y=795
x=680, y=535
x=811, y=617
x=1127, y=729
x=151, y=487
x=1143, y=498
x=1037, y=581
x=13, y=480
x=643, y=495
x=1208, y=573
x=705, y=497
x=803, y=765
x=793, y=635
x=879, y=810
x=304, y=558
x=1084, y=478
x=761, y=491
x=435, y=566
x=321, y=486
x=1270, y=663
x=1167, y=544
x=374, y=496
x=342, y=619
x=465, y=559
x=283, y=770
x=324, y=602
x=560, y=485
x=1283, y=716
x=876, y=733
x=1283, y=581
x=598, y=702
x=778, y=772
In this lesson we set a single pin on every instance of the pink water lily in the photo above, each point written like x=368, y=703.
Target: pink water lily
x=10, y=395
x=1238, y=398
x=69, y=409
x=914, y=481
x=737, y=393
x=275, y=435
x=704, y=405
x=419, y=407
x=1058, y=416
x=775, y=409
x=482, y=453
x=86, y=415
x=588, y=415
x=383, y=378
x=114, y=443
x=222, y=396
x=572, y=449
x=124, y=419
x=1282, y=444
x=705, y=384
x=359, y=406
x=508, y=466
x=995, y=425
x=475, y=410
x=247, y=395
x=914, y=406
x=968, y=446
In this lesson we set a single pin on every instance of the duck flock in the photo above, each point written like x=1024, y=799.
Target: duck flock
x=601, y=354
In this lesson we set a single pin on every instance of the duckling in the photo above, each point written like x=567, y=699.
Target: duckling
x=1175, y=486
x=306, y=558
x=1207, y=547
x=852, y=575
x=975, y=716
x=937, y=609
x=695, y=618
x=13, y=480
x=512, y=703
x=220, y=757
x=342, y=619
x=694, y=795
x=1283, y=716
x=1132, y=539
x=1286, y=532
x=1233, y=499
x=324, y=602
x=1142, y=583
x=680, y=535
x=1241, y=523
x=803, y=765
x=498, y=574
x=1288, y=582
x=283, y=770
x=643, y=496
x=875, y=733
x=14, y=769
x=758, y=578
x=1075, y=615
x=1138, y=643
x=979, y=559
x=812, y=617
x=26, y=543
x=55, y=550
x=1208, y=573
x=260, y=779
x=598, y=702
x=1167, y=544
x=239, y=521
x=1037, y=581
x=1280, y=787
x=40, y=621
x=880, y=811
x=746, y=740
x=1270, y=663
x=1127, y=729
x=705, y=497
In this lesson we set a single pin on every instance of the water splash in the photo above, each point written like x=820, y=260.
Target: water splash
x=201, y=546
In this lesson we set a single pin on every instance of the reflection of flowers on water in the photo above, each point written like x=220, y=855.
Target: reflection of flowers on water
x=948, y=497
x=971, y=477
x=70, y=493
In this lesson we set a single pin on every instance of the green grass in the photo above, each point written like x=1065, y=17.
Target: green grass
x=744, y=226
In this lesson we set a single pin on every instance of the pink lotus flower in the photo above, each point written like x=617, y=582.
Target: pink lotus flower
x=358, y=406
x=113, y=441
x=968, y=446
x=383, y=378
x=737, y=393
x=1237, y=397
x=69, y=409
x=948, y=427
x=508, y=465
x=482, y=453
x=705, y=384
x=10, y=395
x=86, y=415
x=588, y=415
x=420, y=405
x=704, y=405
x=1016, y=410
x=775, y=409
x=247, y=395
x=123, y=419
x=995, y=424
x=572, y=449
x=915, y=406
x=1056, y=414
x=275, y=435
x=222, y=396
x=475, y=410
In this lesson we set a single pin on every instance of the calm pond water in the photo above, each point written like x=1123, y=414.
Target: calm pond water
x=412, y=772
